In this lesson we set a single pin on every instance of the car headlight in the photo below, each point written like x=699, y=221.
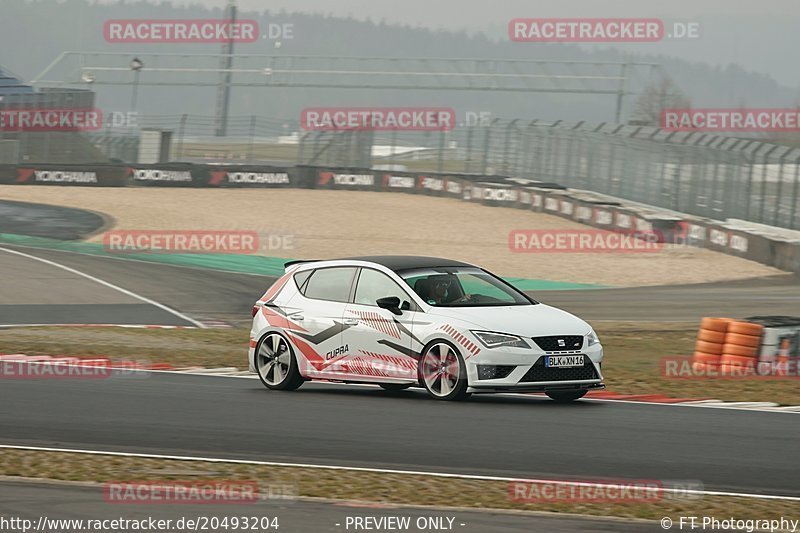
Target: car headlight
x=591, y=339
x=491, y=339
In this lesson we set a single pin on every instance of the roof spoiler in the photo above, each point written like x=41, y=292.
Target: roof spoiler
x=288, y=266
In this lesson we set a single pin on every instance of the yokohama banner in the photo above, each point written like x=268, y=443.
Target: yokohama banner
x=93, y=176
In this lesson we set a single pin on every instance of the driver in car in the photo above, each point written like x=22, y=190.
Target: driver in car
x=439, y=287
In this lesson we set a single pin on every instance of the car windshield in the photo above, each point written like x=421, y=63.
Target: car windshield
x=462, y=287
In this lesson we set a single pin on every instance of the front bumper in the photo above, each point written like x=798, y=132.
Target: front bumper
x=524, y=371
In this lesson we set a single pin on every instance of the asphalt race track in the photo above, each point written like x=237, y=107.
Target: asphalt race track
x=34, y=292
x=509, y=436
x=51, y=221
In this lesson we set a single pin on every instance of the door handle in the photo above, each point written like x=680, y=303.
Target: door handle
x=351, y=321
x=297, y=316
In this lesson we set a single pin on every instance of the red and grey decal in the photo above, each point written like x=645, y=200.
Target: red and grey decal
x=470, y=346
x=278, y=319
x=378, y=323
x=402, y=362
x=316, y=360
x=325, y=334
x=405, y=350
x=275, y=288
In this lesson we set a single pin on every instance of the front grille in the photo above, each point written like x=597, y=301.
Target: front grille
x=551, y=344
x=539, y=372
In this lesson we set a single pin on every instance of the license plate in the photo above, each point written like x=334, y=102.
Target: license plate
x=563, y=361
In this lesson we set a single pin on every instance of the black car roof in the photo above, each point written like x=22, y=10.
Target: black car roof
x=407, y=262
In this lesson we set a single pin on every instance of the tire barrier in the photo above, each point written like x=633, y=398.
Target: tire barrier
x=708, y=335
x=741, y=348
x=768, y=345
x=709, y=346
x=764, y=245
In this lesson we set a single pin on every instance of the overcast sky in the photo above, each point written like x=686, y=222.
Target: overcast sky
x=761, y=35
x=455, y=14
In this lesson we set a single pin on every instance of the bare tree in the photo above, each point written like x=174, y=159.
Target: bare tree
x=664, y=94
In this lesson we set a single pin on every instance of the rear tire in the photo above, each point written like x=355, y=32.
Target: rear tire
x=566, y=396
x=443, y=373
x=276, y=364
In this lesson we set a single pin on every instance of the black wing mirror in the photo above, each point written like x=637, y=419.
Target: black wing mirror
x=392, y=303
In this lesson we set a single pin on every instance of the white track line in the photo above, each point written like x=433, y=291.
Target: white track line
x=107, y=284
x=392, y=471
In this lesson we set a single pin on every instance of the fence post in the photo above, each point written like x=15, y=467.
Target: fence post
x=764, y=184
x=523, y=149
x=795, y=223
x=714, y=180
x=749, y=189
x=695, y=166
x=440, y=165
x=778, y=192
x=677, y=178
x=554, y=149
x=527, y=161
x=487, y=139
x=301, y=148
x=542, y=136
x=572, y=140
x=468, y=157
x=547, y=152
x=181, y=133
x=252, y=137
x=507, y=147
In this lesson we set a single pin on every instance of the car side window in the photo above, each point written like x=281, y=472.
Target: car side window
x=373, y=285
x=332, y=284
x=300, y=279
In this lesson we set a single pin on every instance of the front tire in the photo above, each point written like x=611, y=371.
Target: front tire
x=566, y=396
x=276, y=363
x=443, y=373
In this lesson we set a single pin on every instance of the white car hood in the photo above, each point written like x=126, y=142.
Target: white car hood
x=524, y=320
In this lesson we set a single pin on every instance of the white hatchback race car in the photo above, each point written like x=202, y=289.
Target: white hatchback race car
x=404, y=321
